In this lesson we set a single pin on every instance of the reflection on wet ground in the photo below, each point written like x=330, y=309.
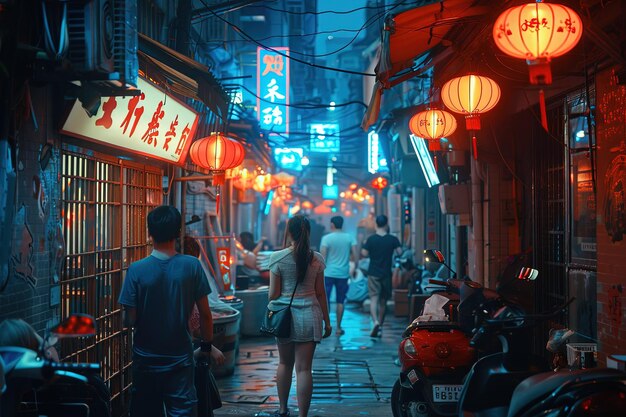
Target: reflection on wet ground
x=353, y=374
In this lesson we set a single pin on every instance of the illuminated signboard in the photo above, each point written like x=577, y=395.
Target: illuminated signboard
x=330, y=192
x=373, y=152
x=273, y=90
x=289, y=158
x=324, y=137
x=152, y=124
x=426, y=162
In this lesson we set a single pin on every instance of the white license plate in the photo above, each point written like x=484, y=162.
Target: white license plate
x=446, y=393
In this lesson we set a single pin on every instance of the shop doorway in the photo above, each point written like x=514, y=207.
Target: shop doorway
x=105, y=202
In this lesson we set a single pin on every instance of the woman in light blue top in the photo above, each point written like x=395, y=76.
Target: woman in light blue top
x=298, y=264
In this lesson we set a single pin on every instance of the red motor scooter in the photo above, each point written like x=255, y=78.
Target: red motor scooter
x=435, y=356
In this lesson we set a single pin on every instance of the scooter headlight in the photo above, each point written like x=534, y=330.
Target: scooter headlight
x=409, y=347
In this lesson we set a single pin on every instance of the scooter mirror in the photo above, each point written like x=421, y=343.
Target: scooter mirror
x=76, y=325
x=527, y=274
x=433, y=255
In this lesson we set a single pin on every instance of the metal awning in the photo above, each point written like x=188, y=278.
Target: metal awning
x=418, y=33
x=181, y=75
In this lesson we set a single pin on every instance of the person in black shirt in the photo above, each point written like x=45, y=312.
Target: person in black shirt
x=380, y=248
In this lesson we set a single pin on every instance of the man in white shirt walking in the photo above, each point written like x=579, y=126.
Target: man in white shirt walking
x=338, y=249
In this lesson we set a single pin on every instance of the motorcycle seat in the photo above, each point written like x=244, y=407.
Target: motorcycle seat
x=535, y=388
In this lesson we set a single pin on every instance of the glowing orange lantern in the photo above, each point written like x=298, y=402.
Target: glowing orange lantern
x=471, y=95
x=537, y=32
x=244, y=180
x=217, y=152
x=262, y=183
x=380, y=183
x=433, y=124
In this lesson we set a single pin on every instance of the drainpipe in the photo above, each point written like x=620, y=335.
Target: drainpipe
x=475, y=240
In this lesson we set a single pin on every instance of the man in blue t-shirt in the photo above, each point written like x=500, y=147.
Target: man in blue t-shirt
x=338, y=249
x=380, y=248
x=158, y=296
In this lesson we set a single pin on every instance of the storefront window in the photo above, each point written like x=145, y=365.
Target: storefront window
x=582, y=187
x=105, y=202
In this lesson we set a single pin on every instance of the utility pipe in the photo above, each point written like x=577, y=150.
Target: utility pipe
x=475, y=240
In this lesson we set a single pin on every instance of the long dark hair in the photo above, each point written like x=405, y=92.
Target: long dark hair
x=299, y=228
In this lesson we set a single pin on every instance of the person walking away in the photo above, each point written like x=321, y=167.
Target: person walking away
x=380, y=248
x=158, y=295
x=338, y=248
x=298, y=265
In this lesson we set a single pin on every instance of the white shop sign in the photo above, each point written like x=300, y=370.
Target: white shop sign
x=153, y=124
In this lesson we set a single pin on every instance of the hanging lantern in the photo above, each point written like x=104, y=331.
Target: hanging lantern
x=217, y=152
x=262, y=183
x=379, y=183
x=471, y=95
x=537, y=32
x=433, y=124
x=243, y=180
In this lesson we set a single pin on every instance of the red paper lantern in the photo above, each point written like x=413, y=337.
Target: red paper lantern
x=537, y=32
x=380, y=183
x=433, y=124
x=217, y=152
x=471, y=95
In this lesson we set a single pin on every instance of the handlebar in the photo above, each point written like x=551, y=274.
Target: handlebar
x=438, y=282
x=74, y=367
x=69, y=370
x=495, y=325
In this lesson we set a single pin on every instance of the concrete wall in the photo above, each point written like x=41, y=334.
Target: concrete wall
x=36, y=225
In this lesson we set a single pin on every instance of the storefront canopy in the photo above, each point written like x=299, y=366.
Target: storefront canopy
x=181, y=75
x=418, y=34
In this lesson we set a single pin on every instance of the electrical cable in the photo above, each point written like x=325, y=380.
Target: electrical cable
x=373, y=19
x=298, y=106
x=246, y=36
x=333, y=11
x=495, y=139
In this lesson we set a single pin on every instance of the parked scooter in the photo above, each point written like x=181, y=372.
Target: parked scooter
x=515, y=383
x=27, y=372
x=435, y=355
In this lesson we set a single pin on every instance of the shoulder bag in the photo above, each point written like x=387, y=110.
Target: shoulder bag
x=278, y=322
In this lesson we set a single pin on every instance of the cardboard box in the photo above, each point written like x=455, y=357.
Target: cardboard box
x=401, y=303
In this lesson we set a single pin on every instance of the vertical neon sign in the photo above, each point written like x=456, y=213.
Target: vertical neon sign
x=273, y=90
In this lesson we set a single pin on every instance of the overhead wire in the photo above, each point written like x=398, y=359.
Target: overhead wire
x=242, y=33
x=303, y=106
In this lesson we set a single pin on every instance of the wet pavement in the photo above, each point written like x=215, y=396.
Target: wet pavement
x=353, y=374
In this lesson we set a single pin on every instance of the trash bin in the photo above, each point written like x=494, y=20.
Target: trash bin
x=254, y=305
x=226, y=321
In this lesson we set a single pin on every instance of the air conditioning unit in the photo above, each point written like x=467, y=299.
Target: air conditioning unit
x=454, y=199
x=103, y=40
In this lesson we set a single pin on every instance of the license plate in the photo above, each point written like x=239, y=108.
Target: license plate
x=446, y=393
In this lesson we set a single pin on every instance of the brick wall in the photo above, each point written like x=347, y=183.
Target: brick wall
x=611, y=218
x=27, y=294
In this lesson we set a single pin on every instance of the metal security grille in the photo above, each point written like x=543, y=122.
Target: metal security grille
x=549, y=221
x=104, y=209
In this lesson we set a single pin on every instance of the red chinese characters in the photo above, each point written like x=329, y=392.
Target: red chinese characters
x=170, y=134
x=153, y=126
x=135, y=111
x=106, y=120
x=183, y=140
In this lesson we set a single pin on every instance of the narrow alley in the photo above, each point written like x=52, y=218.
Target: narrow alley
x=353, y=374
